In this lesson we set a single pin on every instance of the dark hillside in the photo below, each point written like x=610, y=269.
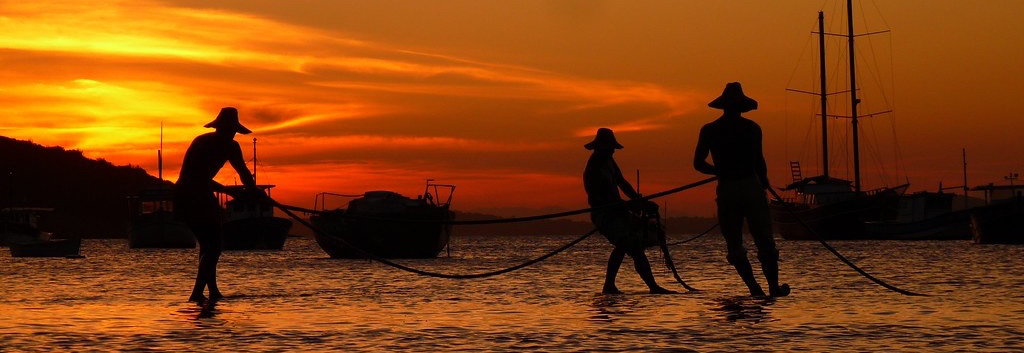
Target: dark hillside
x=88, y=196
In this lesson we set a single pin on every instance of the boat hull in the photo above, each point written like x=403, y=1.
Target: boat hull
x=259, y=233
x=842, y=220
x=955, y=225
x=46, y=248
x=342, y=236
x=1001, y=223
x=159, y=231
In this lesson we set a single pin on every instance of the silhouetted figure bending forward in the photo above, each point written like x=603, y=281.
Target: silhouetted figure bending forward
x=194, y=201
x=735, y=146
x=602, y=179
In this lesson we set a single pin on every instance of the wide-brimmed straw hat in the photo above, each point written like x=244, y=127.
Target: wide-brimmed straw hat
x=228, y=119
x=605, y=138
x=732, y=98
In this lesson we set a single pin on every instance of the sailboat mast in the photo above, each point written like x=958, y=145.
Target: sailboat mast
x=853, y=98
x=823, y=93
x=254, y=160
x=966, y=201
x=160, y=154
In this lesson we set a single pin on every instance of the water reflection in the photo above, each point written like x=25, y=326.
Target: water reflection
x=609, y=307
x=203, y=315
x=743, y=308
x=297, y=300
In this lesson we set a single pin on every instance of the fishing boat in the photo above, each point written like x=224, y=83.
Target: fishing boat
x=834, y=208
x=386, y=224
x=924, y=215
x=928, y=215
x=151, y=222
x=250, y=222
x=1001, y=220
x=20, y=232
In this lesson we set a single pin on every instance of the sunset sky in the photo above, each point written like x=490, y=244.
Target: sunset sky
x=498, y=97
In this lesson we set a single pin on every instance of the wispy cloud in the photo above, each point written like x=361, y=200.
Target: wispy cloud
x=313, y=93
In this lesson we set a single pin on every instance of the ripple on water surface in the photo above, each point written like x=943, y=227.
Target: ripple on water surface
x=297, y=299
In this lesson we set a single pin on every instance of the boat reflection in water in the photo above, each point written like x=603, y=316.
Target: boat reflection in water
x=387, y=224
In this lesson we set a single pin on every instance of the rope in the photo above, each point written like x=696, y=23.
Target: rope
x=508, y=220
x=287, y=209
x=694, y=237
x=668, y=256
x=840, y=256
x=399, y=266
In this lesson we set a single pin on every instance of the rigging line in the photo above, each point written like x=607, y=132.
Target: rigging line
x=694, y=237
x=437, y=274
x=900, y=161
x=513, y=219
x=839, y=255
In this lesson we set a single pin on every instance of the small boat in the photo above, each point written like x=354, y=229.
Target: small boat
x=20, y=232
x=152, y=224
x=251, y=224
x=1001, y=221
x=387, y=224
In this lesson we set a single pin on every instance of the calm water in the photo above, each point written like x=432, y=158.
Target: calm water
x=298, y=299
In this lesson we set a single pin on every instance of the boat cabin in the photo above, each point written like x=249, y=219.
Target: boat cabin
x=23, y=215
x=820, y=190
x=242, y=208
x=997, y=193
x=151, y=201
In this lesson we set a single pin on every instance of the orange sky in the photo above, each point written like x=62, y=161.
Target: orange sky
x=498, y=97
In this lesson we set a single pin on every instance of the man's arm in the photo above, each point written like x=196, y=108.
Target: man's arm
x=623, y=184
x=238, y=163
x=700, y=156
x=761, y=168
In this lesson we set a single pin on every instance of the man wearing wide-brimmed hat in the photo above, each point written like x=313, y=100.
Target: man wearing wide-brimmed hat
x=734, y=143
x=194, y=201
x=602, y=180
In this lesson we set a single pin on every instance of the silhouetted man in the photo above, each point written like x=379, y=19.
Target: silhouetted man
x=735, y=146
x=602, y=179
x=194, y=201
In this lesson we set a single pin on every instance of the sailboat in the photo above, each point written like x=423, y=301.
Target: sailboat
x=834, y=208
x=151, y=216
x=250, y=222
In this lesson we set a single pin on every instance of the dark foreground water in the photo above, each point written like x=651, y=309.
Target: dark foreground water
x=117, y=299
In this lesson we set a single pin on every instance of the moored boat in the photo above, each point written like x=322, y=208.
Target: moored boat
x=834, y=208
x=251, y=224
x=1001, y=221
x=152, y=223
x=924, y=216
x=387, y=224
x=20, y=232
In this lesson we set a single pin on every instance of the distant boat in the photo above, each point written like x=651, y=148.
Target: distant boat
x=251, y=224
x=152, y=223
x=19, y=231
x=923, y=216
x=387, y=236
x=927, y=215
x=1001, y=221
x=834, y=208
